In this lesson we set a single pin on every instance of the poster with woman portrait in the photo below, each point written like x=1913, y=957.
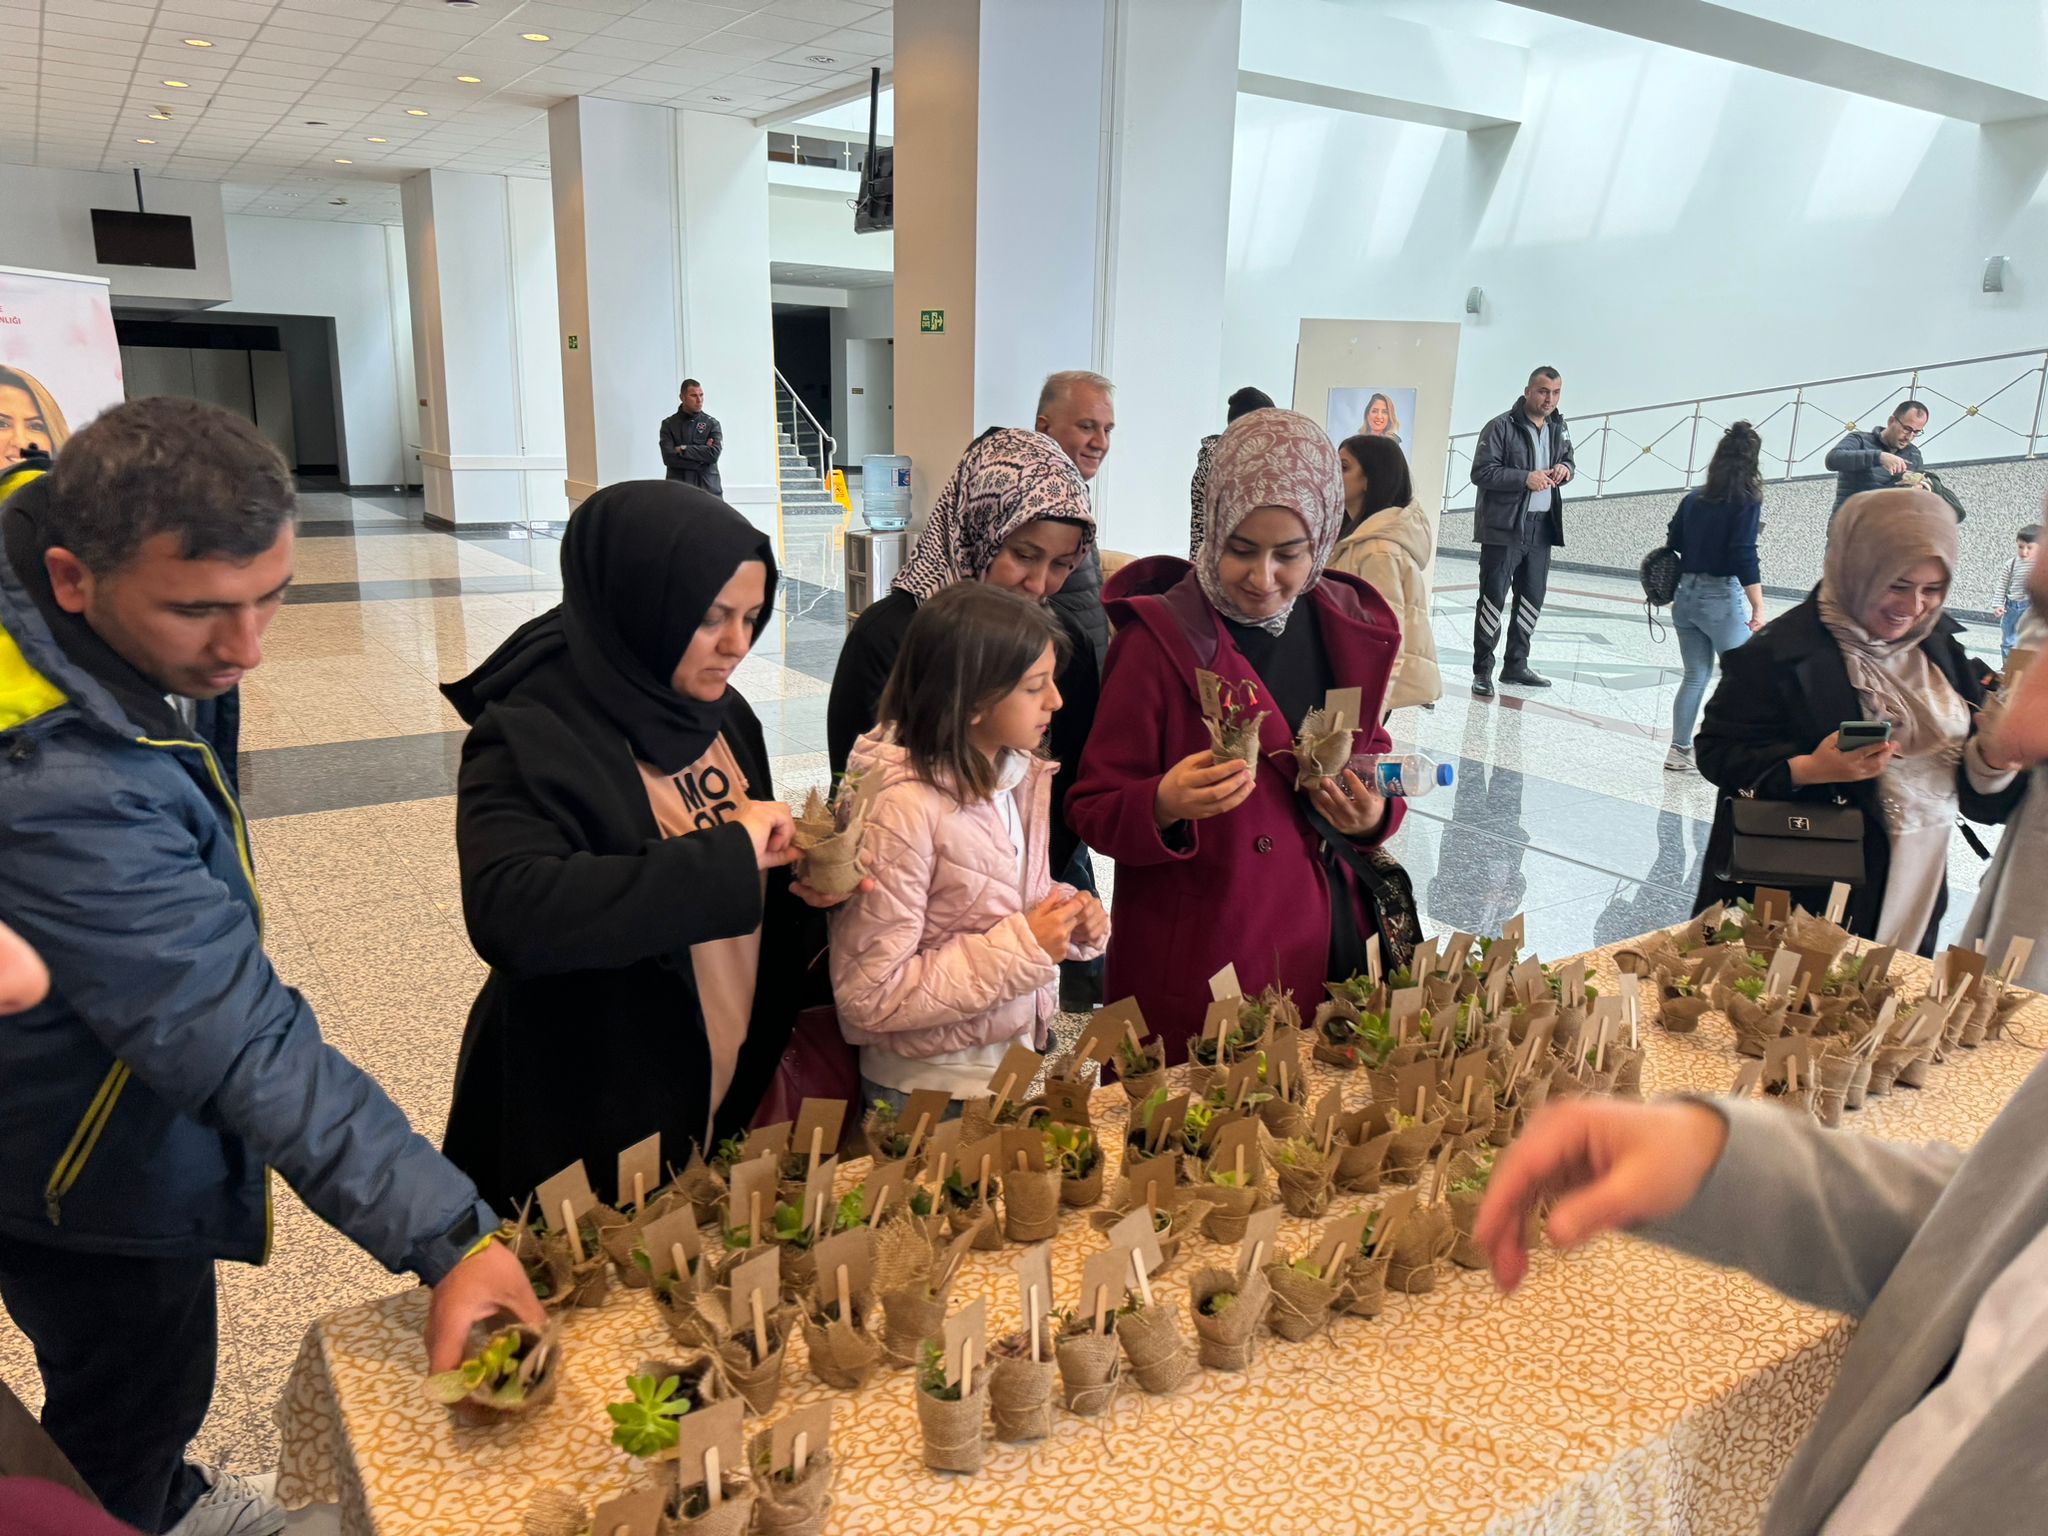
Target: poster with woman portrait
x=1373, y=411
x=60, y=365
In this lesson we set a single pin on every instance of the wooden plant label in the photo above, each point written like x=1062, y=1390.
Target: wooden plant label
x=1323, y=1118
x=1339, y=1241
x=1404, y=1009
x=1134, y=1234
x=1033, y=1269
x=1023, y=1150
x=747, y=1183
x=1283, y=1059
x=1746, y=1080
x=2017, y=954
x=1771, y=905
x=1412, y=1083
x=632, y=1514
x=1220, y=1019
x=1783, y=972
x=706, y=1433
x=1529, y=983
x=678, y=1229
x=639, y=1172
x=1261, y=1231
x=945, y=1149
x=812, y=1425
x=1239, y=1079
x=1457, y=952
x=1166, y=1122
x=1393, y=1215
x=819, y=1123
x=1012, y=1080
x=1105, y=1282
x=850, y=1251
x=1471, y=1069
x=883, y=1189
x=820, y=1204
x=1341, y=708
x=1514, y=934
x=1152, y=1182
x=571, y=1185
x=1225, y=1145
x=758, y=1275
x=767, y=1138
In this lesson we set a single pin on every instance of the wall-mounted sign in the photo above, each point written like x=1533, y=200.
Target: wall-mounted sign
x=931, y=322
x=572, y=343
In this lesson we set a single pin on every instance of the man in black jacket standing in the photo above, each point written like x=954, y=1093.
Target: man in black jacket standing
x=1875, y=461
x=691, y=441
x=1522, y=460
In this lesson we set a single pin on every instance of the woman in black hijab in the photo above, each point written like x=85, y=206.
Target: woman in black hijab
x=622, y=855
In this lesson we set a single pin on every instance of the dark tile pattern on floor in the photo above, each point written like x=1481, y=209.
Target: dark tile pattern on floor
x=341, y=775
x=422, y=586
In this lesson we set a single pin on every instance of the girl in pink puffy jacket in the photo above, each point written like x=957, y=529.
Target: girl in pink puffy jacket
x=954, y=956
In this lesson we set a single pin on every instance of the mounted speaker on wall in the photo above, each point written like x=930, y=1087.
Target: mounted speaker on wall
x=1994, y=275
x=1474, y=297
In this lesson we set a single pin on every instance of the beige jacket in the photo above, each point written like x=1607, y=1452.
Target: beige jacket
x=1392, y=550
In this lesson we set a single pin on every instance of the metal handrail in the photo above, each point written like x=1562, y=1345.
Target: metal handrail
x=1905, y=382
x=826, y=442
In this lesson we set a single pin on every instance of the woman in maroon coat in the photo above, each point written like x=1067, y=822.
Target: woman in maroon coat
x=1215, y=866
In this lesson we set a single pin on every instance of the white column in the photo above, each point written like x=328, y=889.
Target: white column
x=476, y=257
x=728, y=340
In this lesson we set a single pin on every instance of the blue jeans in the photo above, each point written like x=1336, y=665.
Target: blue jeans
x=1711, y=615
x=871, y=1092
x=2009, y=626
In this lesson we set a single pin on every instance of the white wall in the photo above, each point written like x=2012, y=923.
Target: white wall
x=1661, y=225
x=813, y=227
x=863, y=328
x=307, y=267
x=46, y=224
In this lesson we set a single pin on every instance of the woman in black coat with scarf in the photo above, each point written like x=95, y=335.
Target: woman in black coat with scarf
x=623, y=857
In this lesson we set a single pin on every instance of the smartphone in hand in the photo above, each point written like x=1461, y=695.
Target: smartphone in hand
x=1856, y=735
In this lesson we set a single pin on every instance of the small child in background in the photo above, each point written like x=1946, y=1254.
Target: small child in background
x=2012, y=589
x=954, y=956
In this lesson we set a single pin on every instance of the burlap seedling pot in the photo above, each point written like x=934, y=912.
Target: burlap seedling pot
x=1464, y=1207
x=620, y=1240
x=578, y=1285
x=1228, y=1212
x=538, y=1369
x=1886, y=1065
x=556, y=1512
x=703, y=1188
x=1284, y=1118
x=1755, y=1040
x=1359, y=1164
x=1364, y=1290
x=1409, y=1150
x=1238, y=744
x=1914, y=1073
x=909, y=1317
x=1479, y=1124
x=1507, y=1120
x=1681, y=1015
x=759, y=1382
x=1305, y=1190
x=1089, y=1366
x=799, y=1269
x=731, y=1518
x=1424, y=1241
x=1020, y=1390
x=1201, y=1079
x=1628, y=1071
x=1086, y=1190
x=952, y=1431
x=796, y=1507
x=1300, y=1305
x=1859, y=1084
x=1227, y=1340
x=694, y=1319
x=1156, y=1348
x=1031, y=1205
x=980, y=1219
x=1319, y=753
x=844, y=1354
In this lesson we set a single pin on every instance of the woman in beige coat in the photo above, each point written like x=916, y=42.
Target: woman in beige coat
x=1386, y=541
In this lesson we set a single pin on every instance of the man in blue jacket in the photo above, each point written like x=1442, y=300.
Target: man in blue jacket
x=1521, y=462
x=1871, y=461
x=145, y=1101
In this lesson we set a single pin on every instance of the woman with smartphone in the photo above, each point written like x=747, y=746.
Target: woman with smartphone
x=1861, y=697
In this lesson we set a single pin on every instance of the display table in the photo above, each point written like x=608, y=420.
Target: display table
x=1622, y=1389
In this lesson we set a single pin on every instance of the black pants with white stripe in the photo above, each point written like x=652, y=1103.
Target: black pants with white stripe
x=1526, y=570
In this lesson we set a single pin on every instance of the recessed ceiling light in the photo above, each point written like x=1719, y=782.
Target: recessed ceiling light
x=197, y=42
x=145, y=141
x=160, y=116
x=316, y=122
x=415, y=111
x=380, y=141
x=721, y=98
x=179, y=85
x=822, y=58
x=470, y=79
x=537, y=37
x=460, y=5
x=344, y=162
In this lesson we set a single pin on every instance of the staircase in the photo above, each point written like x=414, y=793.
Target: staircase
x=806, y=449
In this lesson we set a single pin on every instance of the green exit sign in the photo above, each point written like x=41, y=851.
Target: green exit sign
x=931, y=321
x=572, y=343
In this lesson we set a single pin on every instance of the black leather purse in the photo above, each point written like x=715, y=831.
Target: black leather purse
x=1789, y=843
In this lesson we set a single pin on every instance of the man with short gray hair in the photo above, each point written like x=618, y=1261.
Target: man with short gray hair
x=1077, y=410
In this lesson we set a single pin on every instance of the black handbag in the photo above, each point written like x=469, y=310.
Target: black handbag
x=1789, y=843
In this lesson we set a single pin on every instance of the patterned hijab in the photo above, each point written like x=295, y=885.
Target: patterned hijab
x=1270, y=458
x=1879, y=536
x=1007, y=477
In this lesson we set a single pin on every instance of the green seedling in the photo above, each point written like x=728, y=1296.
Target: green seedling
x=1218, y=1304
x=645, y=1424
x=1751, y=987
x=1072, y=1149
x=931, y=1374
x=1297, y=1152
x=730, y=1151
x=494, y=1370
x=1307, y=1267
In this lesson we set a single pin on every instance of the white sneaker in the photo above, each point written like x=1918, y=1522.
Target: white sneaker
x=1678, y=760
x=232, y=1505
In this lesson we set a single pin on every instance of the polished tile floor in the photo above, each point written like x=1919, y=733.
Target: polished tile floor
x=1562, y=810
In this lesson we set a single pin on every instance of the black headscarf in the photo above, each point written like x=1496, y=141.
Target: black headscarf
x=642, y=563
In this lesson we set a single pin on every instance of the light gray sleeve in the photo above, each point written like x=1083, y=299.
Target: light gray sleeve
x=1819, y=1215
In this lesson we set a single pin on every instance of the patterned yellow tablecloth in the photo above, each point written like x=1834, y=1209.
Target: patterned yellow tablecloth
x=1623, y=1389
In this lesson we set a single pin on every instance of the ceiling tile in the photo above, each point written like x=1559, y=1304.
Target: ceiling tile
x=734, y=45
x=785, y=29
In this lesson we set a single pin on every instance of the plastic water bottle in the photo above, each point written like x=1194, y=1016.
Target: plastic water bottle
x=1410, y=775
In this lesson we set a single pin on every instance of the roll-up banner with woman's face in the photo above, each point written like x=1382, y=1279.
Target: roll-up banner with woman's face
x=1372, y=411
x=60, y=365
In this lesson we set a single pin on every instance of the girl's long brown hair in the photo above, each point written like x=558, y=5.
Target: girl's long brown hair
x=968, y=647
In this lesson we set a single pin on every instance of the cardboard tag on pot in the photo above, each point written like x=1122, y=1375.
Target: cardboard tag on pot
x=1326, y=1110
x=1393, y=1215
x=1261, y=1232
x=1033, y=1269
x=1152, y=1181
x=945, y=1148
x=1121, y=1018
x=1027, y=1144
x=1497, y=979
x=966, y=1342
x=1471, y=1068
x=1105, y=1277
x=1423, y=965
x=1098, y=1042
x=1786, y=1049
x=720, y=1427
x=1771, y=905
x=812, y=1425
x=820, y=1204
x=1341, y=708
x=1219, y=1021
x=1373, y=968
x=638, y=1513
x=884, y=1183
x=1783, y=972
x=1240, y=1078
x=1514, y=934
x=758, y=1275
x=766, y=1138
x=1066, y=1100
x=819, y=1124
x=1875, y=968
x=851, y=1251
x=982, y=1159
x=1957, y=965
x=1135, y=1234
x=1223, y=985
x=2017, y=954
x=660, y=1238
x=757, y=1176
x=1166, y=1122
x=1571, y=987
x=923, y=1114
x=642, y=1162
x=1458, y=952
x=1339, y=1241
x=1283, y=1060
x=1413, y=1083
x=572, y=1184
x=1012, y=1080
x=1403, y=1010
x=1227, y=1141
x=1529, y=982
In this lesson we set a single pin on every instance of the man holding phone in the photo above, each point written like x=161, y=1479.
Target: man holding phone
x=1520, y=464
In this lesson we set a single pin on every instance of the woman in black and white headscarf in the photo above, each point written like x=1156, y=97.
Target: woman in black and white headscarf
x=1015, y=514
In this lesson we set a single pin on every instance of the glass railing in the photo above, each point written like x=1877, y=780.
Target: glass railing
x=1978, y=408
